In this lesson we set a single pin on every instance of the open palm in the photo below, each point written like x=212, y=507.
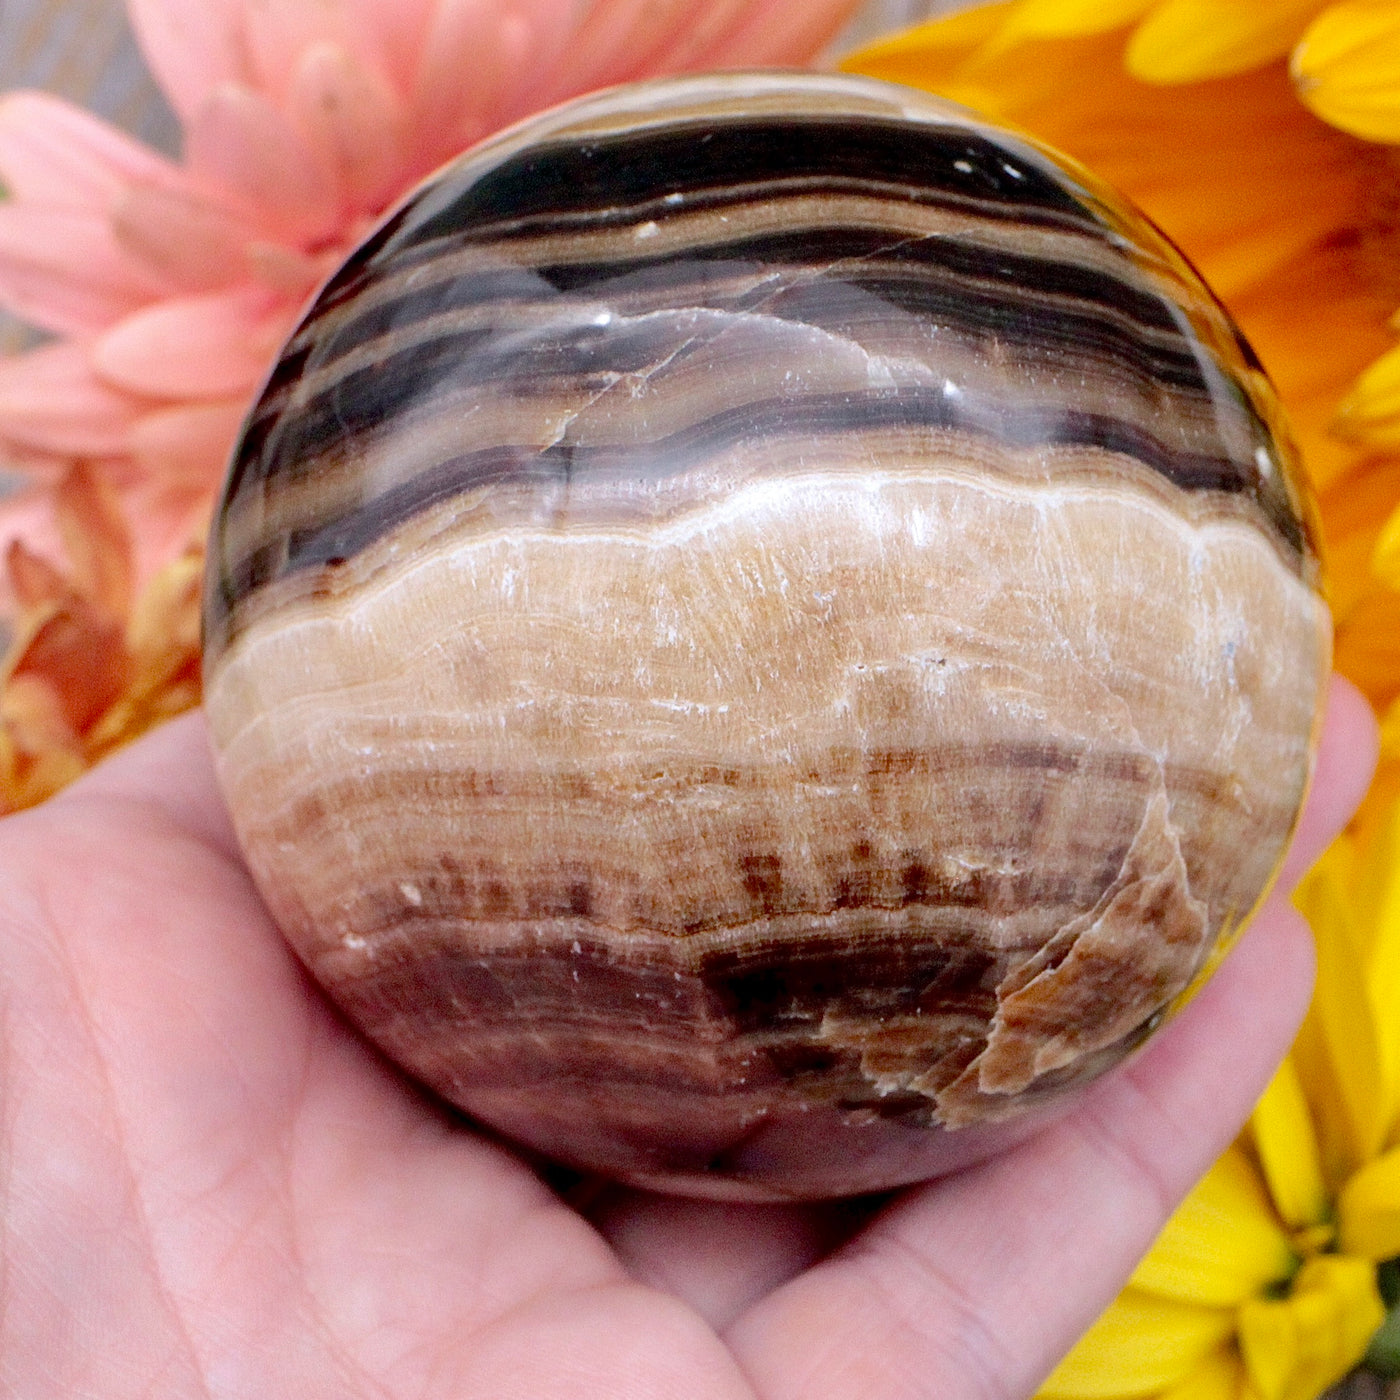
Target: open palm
x=210, y=1187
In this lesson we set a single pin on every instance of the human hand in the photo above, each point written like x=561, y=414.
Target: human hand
x=209, y=1186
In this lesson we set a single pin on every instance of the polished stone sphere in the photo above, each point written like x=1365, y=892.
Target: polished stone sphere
x=762, y=633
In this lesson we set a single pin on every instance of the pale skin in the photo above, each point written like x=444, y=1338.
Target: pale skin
x=210, y=1187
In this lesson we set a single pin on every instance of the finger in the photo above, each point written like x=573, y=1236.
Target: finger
x=977, y=1285
x=292, y=1187
x=720, y=1257
x=723, y=1258
x=1346, y=760
x=170, y=770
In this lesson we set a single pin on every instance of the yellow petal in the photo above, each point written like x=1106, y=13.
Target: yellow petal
x=1184, y=41
x=1368, y=1210
x=1376, y=899
x=1223, y=1244
x=1385, y=558
x=1054, y=19
x=1347, y=68
x=1288, y=1152
x=1374, y=400
x=1139, y=1346
x=1218, y=1376
x=1295, y=1347
x=1390, y=723
x=1340, y=1051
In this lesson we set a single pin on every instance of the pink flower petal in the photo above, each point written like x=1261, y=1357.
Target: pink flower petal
x=192, y=46
x=781, y=32
x=280, y=31
x=65, y=271
x=691, y=43
x=166, y=521
x=57, y=155
x=392, y=33
x=181, y=237
x=242, y=144
x=503, y=51
x=354, y=121
x=288, y=272
x=185, y=450
x=50, y=401
x=34, y=466
x=619, y=39
x=203, y=347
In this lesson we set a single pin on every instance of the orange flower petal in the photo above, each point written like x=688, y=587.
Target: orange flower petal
x=1184, y=41
x=96, y=540
x=57, y=155
x=242, y=144
x=1353, y=514
x=1368, y=646
x=1346, y=68
x=34, y=582
x=79, y=653
x=163, y=632
x=64, y=271
x=935, y=54
x=1050, y=19
x=50, y=400
x=33, y=712
x=33, y=766
x=202, y=347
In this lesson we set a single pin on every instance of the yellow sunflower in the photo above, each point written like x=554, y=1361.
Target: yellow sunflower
x=1294, y=222
x=1274, y=1279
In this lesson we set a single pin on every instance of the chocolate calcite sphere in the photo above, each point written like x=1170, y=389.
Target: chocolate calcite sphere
x=762, y=633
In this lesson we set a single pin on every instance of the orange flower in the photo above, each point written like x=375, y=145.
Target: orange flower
x=88, y=669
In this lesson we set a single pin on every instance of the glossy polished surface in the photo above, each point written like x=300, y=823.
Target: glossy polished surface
x=761, y=633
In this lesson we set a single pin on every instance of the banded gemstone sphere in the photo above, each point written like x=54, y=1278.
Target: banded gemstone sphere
x=761, y=634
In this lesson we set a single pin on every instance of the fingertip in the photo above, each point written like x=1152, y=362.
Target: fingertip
x=1347, y=753
x=1226, y=1043
x=1350, y=744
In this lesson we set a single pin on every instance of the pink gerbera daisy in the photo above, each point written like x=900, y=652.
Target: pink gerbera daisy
x=168, y=286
